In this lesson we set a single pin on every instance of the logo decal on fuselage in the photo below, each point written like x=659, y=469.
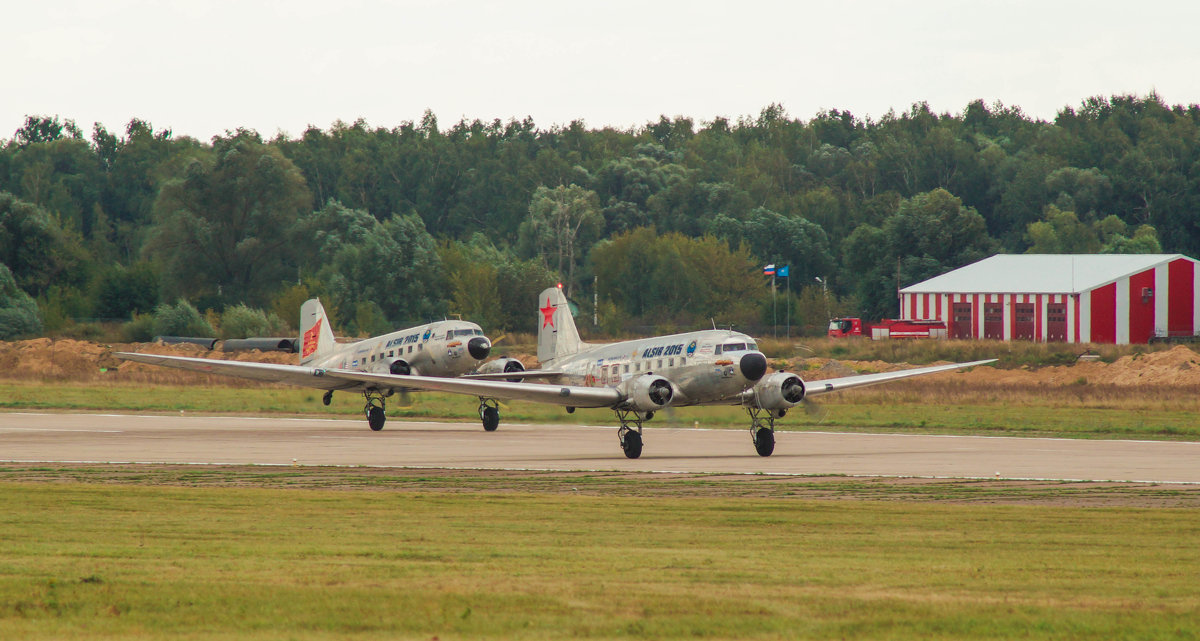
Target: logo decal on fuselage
x=310, y=339
x=663, y=350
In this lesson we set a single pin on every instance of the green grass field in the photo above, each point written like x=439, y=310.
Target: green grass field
x=103, y=561
x=161, y=552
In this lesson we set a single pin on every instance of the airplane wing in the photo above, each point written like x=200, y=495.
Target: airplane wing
x=566, y=395
x=340, y=379
x=269, y=372
x=825, y=386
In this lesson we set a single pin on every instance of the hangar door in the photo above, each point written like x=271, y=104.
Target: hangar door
x=993, y=321
x=1056, y=322
x=960, y=322
x=1023, y=324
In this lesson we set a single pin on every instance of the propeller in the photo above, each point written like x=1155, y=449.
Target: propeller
x=660, y=392
x=406, y=399
x=815, y=410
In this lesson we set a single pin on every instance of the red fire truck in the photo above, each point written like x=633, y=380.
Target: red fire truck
x=887, y=328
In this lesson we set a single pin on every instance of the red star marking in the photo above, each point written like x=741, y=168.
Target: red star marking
x=547, y=314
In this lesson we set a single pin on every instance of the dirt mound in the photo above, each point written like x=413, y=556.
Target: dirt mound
x=1178, y=366
x=43, y=359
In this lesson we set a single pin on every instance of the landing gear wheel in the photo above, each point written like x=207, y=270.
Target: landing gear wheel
x=631, y=443
x=764, y=441
x=491, y=418
x=762, y=430
x=376, y=416
x=375, y=409
x=630, y=432
x=327, y=398
x=489, y=413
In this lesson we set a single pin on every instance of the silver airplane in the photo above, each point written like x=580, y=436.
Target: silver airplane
x=633, y=378
x=443, y=348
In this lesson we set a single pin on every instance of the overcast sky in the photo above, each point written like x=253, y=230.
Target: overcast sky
x=202, y=67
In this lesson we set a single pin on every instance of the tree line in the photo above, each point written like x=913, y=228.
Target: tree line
x=666, y=224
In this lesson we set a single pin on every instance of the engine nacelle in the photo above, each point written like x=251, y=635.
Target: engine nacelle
x=779, y=391
x=400, y=367
x=646, y=393
x=503, y=366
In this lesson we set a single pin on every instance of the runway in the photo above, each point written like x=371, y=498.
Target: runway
x=112, y=438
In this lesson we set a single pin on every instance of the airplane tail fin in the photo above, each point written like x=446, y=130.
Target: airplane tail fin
x=557, y=335
x=316, y=338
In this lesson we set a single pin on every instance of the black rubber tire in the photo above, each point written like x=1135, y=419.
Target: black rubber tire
x=491, y=418
x=632, y=445
x=376, y=417
x=764, y=441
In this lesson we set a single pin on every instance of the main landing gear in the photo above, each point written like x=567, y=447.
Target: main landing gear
x=630, y=433
x=489, y=413
x=376, y=408
x=762, y=430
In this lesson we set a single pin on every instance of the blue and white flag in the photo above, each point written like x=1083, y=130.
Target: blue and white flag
x=782, y=272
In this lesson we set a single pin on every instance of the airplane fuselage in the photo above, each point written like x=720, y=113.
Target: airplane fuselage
x=704, y=367
x=441, y=348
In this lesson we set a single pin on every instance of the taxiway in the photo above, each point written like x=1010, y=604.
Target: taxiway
x=114, y=438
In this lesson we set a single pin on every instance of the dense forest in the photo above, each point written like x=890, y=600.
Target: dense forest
x=666, y=225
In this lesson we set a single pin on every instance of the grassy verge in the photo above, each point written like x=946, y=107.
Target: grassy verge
x=1081, y=411
x=169, y=562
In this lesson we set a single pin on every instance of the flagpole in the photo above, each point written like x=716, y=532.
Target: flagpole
x=774, y=308
x=789, y=305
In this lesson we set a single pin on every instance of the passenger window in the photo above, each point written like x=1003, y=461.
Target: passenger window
x=670, y=362
x=372, y=358
x=682, y=361
x=660, y=363
x=410, y=349
x=626, y=368
x=391, y=353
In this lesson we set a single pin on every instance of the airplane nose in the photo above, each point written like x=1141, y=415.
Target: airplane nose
x=753, y=365
x=479, y=348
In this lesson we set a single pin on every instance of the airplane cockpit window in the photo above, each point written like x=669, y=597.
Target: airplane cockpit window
x=468, y=332
x=735, y=347
x=752, y=347
x=717, y=350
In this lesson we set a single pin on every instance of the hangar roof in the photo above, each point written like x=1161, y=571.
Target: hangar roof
x=1039, y=273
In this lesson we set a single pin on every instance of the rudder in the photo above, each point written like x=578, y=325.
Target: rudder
x=316, y=338
x=557, y=334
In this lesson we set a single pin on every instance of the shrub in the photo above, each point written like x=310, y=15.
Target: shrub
x=18, y=312
x=180, y=319
x=138, y=330
x=241, y=321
